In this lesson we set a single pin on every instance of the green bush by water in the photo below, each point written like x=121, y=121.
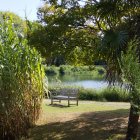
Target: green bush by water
x=52, y=70
x=89, y=94
x=65, y=69
x=115, y=94
x=97, y=72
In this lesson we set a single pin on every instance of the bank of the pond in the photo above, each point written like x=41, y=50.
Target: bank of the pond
x=107, y=94
x=97, y=72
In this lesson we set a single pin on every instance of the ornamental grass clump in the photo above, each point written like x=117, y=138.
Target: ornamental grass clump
x=21, y=87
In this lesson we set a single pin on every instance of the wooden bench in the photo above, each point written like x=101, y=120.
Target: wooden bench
x=64, y=94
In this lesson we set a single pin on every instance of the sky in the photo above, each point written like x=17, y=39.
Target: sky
x=20, y=6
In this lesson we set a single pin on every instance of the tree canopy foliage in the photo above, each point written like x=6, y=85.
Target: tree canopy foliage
x=68, y=24
x=64, y=30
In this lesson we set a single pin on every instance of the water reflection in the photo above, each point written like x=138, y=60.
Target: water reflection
x=89, y=84
x=86, y=81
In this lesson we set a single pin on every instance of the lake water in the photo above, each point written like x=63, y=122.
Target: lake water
x=85, y=81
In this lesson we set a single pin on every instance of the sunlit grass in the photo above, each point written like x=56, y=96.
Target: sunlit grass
x=84, y=106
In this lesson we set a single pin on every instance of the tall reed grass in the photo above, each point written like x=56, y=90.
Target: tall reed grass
x=21, y=86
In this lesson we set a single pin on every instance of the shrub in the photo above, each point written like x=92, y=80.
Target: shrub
x=21, y=87
x=65, y=69
x=115, y=94
x=101, y=72
x=89, y=94
x=91, y=67
x=109, y=94
x=62, y=71
x=76, y=69
x=51, y=70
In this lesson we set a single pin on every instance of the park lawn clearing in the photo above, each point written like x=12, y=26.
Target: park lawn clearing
x=89, y=121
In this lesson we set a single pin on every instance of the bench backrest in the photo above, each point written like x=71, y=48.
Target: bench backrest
x=68, y=92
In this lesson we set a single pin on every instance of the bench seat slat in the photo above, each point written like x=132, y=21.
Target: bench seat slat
x=63, y=97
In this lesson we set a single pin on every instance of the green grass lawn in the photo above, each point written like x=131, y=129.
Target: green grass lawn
x=84, y=106
x=88, y=121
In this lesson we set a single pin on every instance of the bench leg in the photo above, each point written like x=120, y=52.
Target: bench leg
x=51, y=101
x=77, y=102
x=68, y=102
x=59, y=101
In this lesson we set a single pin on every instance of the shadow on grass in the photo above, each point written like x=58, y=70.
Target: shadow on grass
x=58, y=105
x=88, y=126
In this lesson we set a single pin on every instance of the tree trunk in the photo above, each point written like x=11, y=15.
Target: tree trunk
x=132, y=124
